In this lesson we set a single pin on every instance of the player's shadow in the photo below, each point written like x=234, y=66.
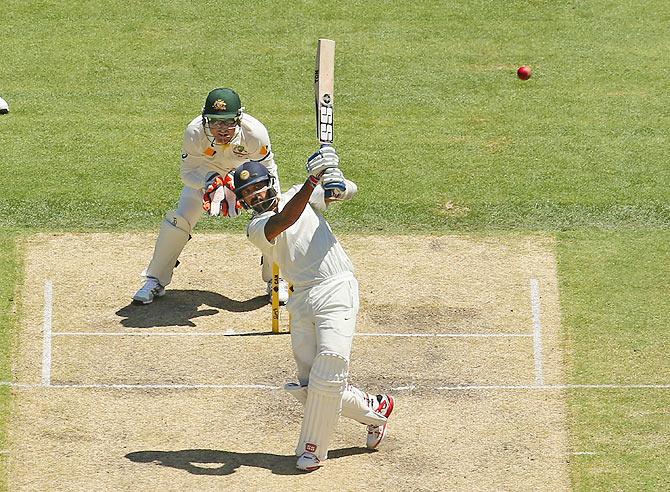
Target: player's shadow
x=213, y=462
x=179, y=307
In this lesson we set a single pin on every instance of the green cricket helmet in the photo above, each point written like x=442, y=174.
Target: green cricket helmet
x=222, y=104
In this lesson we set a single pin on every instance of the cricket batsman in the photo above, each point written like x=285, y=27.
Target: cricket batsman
x=324, y=305
x=218, y=140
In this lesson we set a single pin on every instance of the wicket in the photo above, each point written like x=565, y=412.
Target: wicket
x=275, y=300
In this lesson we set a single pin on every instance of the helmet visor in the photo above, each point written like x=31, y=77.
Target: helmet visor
x=260, y=200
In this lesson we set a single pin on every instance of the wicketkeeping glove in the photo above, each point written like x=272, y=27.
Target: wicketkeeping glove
x=219, y=197
x=322, y=159
x=332, y=180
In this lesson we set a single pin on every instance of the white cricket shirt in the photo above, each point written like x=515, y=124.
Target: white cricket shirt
x=200, y=157
x=307, y=252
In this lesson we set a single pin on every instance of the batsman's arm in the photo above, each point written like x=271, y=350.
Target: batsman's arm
x=320, y=202
x=291, y=212
x=336, y=187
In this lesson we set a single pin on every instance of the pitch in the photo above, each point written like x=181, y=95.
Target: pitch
x=185, y=393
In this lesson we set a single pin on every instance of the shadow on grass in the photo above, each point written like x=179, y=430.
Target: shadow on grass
x=179, y=307
x=205, y=461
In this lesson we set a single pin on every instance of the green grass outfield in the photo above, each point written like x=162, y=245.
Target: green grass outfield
x=432, y=124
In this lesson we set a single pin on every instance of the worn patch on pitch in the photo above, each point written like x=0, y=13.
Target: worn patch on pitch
x=462, y=330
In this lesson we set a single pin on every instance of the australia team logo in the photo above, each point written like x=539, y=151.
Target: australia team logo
x=219, y=105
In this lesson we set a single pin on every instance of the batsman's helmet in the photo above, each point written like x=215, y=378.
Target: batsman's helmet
x=222, y=104
x=252, y=172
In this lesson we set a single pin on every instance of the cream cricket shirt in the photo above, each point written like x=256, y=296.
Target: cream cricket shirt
x=200, y=157
x=307, y=252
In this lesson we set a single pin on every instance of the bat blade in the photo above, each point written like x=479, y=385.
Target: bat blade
x=324, y=88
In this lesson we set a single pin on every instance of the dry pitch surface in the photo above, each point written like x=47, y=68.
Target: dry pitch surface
x=184, y=394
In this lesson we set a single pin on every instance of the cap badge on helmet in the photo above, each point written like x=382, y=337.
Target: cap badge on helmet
x=219, y=105
x=244, y=175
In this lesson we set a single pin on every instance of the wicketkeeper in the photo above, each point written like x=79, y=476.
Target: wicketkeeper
x=215, y=143
x=324, y=304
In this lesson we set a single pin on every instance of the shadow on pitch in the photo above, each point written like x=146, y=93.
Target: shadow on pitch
x=212, y=462
x=180, y=307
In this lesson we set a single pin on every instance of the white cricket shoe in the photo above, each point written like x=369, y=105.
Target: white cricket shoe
x=283, y=291
x=308, y=462
x=151, y=288
x=376, y=433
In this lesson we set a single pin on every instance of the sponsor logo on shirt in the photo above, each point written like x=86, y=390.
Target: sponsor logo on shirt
x=239, y=150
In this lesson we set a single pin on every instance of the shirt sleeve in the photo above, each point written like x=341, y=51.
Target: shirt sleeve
x=194, y=166
x=263, y=153
x=318, y=198
x=256, y=232
x=269, y=163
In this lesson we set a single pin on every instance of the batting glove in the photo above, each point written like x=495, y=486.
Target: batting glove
x=322, y=159
x=219, y=197
x=332, y=181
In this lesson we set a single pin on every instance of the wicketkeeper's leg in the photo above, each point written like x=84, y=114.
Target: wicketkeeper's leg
x=174, y=233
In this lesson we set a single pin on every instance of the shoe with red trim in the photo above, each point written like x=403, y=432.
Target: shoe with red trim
x=376, y=433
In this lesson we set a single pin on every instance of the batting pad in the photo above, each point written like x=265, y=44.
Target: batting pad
x=356, y=404
x=327, y=380
x=173, y=235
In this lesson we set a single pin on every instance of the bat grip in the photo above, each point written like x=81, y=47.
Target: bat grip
x=326, y=193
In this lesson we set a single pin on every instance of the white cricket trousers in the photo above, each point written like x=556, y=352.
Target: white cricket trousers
x=323, y=319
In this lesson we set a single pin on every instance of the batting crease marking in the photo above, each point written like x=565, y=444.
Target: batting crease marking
x=168, y=386
x=233, y=333
x=465, y=387
x=537, y=330
x=46, y=333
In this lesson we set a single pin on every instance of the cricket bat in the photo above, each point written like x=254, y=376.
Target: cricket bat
x=324, y=91
x=324, y=87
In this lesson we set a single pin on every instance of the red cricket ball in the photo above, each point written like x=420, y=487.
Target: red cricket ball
x=524, y=72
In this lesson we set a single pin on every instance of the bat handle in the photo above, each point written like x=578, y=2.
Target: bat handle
x=330, y=193
x=327, y=193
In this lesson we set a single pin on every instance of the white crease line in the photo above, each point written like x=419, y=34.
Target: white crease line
x=448, y=335
x=553, y=387
x=147, y=334
x=410, y=387
x=537, y=330
x=233, y=333
x=584, y=453
x=46, y=333
x=19, y=385
x=167, y=386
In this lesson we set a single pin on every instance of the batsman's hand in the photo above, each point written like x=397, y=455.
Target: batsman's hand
x=219, y=197
x=322, y=159
x=332, y=181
